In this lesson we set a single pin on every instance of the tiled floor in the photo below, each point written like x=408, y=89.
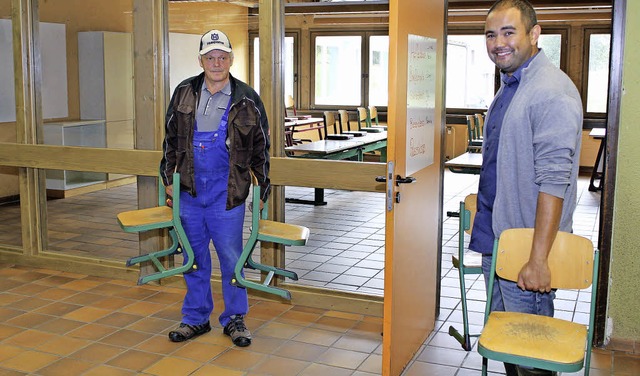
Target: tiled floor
x=57, y=323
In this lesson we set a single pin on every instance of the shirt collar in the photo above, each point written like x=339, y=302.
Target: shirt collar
x=226, y=90
x=517, y=75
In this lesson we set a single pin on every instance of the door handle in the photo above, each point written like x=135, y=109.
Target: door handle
x=407, y=180
x=381, y=179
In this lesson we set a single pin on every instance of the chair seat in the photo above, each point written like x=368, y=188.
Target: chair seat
x=471, y=260
x=509, y=334
x=145, y=219
x=283, y=233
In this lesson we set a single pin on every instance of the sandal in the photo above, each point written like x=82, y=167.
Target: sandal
x=186, y=331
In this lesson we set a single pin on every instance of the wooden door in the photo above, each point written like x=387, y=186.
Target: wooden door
x=413, y=223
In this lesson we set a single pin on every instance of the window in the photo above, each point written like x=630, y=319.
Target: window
x=350, y=70
x=338, y=70
x=470, y=73
x=598, y=72
x=289, y=65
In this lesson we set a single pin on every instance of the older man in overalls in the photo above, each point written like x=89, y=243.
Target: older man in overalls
x=216, y=132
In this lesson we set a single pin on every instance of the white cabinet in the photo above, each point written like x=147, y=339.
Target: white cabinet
x=88, y=133
x=105, y=64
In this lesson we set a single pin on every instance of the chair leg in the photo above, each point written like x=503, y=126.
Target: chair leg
x=155, y=257
x=245, y=260
x=465, y=337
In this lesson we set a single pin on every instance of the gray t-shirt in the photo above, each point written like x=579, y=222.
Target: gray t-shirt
x=211, y=107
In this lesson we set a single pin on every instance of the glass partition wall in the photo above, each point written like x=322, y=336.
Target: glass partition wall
x=10, y=217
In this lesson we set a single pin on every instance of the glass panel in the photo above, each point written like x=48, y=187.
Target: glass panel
x=470, y=73
x=10, y=224
x=552, y=46
x=88, y=101
x=379, y=70
x=338, y=68
x=598, y=78
x=289, y=70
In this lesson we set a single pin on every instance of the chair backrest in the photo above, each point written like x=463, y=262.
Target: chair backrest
x=363, y=118
x=343, y=119
x=329, y=121
x=479, y=125
x=470, y=206
x=373, y=115
x=570, y=260
x=471, y=127
x=290, y=103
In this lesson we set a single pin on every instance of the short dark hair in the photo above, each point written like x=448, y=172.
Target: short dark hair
x=528, y=14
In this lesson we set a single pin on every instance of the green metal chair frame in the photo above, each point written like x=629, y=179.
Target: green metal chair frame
x=474, y=137
x=264, y=230
x=364, y=116
x=465, y=265
x=158, y=218
x=539, y=341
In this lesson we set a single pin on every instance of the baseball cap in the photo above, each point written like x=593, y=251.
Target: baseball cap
x=214, y=40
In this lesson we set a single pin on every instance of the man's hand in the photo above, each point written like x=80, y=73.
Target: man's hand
x=535, y=276
x=169, y=191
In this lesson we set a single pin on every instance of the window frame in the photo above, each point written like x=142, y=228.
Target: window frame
x=588, y=31
x=296, y=60
x=364, y=72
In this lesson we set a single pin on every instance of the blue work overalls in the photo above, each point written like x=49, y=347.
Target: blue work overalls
x=206, y=219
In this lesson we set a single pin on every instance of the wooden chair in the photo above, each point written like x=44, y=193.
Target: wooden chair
x=290, y=103
x=539, y=341
x=329, y=121
x=373, y=116
x=157, y=218
x=364, y=121
x=479, y=126
x=264, y=230
x=345, y=125
x=474, y=144
x=467, y=263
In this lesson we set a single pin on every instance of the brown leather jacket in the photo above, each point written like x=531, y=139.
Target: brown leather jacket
x=247, y=137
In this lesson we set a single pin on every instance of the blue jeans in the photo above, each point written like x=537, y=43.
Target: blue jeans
x=507, y=296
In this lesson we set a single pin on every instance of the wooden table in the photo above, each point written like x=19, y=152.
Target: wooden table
x=467, y=163
x=598, y=167
x=337, y=150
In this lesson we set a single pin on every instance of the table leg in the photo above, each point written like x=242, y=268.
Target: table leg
x=598, y=169
x=318, y=199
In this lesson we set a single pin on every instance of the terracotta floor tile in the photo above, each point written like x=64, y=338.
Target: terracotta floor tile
x=29, y=338
x=238, y=359
x=302, y=351
x=152, y=325
x=55, y=293
x=279, y=330
x=104, y=370
x=66, y=367
x=316, y=369
x=143, y=308
x=342, y=358
x=125, y=338
x=170, y=366
x=266, y=345
x=58, y=308
x=200, y=352
x=275, y=365
x=30, y=320
x=209, y=370
x=317, y=337
x=134, y=360
x=160, y=344
x=8, y=313
x=87, y=314
x=62, y=345
x=29, y=361
x=113, y=303
x=92, y=331
x=7, y=331
x=85, y=298
x=361, y=344
x=7, y=351
x=336, y=324
x=80, y=285
x=298, y=317
x=119, y=319
x=97, y=353
x=8, y=298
